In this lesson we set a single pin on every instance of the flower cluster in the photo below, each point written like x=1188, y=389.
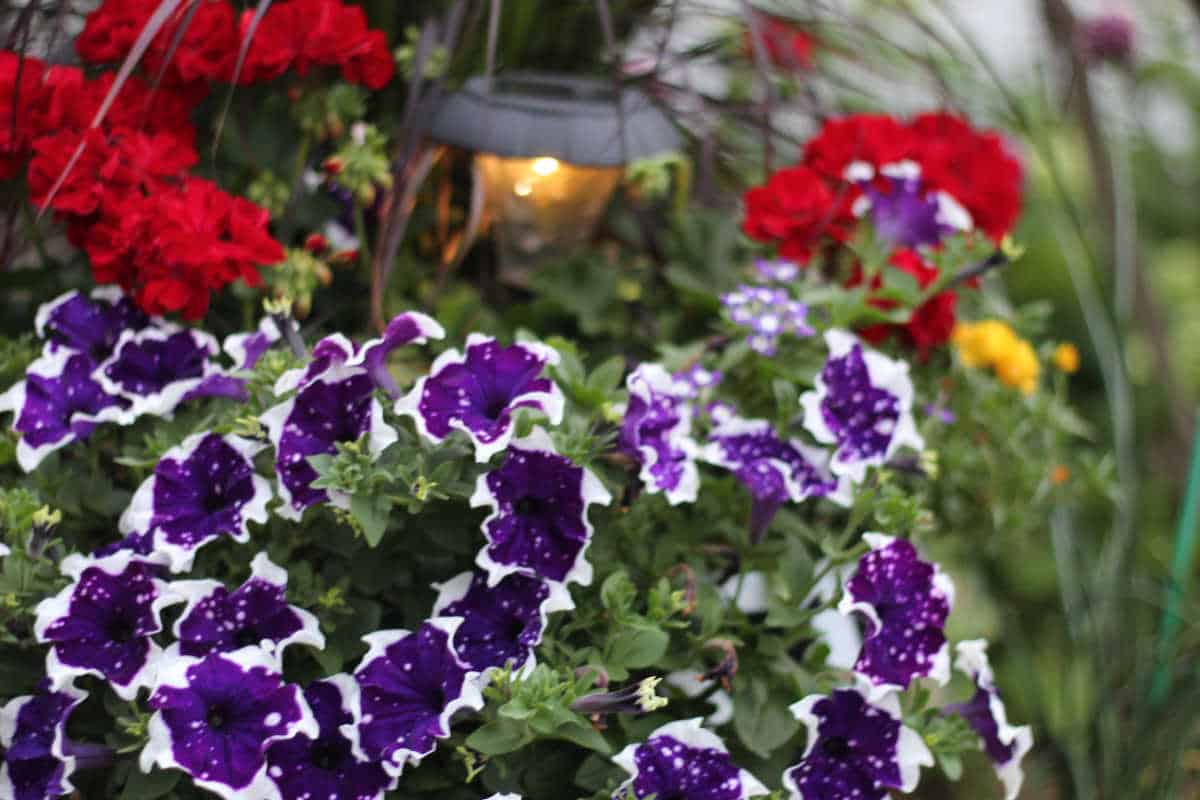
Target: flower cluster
x=768, y=313
x=915, y=183
x=994, y=344
x=201, y=47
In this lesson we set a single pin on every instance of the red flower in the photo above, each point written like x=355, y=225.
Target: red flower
x=110, y=30
x=930, y=324
x=371, y=64
x=788, y=45
x=875, y=139
x=974, y=167
x=795, y=208
x=207, y=50
x=20, y=91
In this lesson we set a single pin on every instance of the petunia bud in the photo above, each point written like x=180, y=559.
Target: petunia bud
x=639, y=698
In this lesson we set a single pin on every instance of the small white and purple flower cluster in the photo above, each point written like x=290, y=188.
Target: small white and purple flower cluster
x=769, y=313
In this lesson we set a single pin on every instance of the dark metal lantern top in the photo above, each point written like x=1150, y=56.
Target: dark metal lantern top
x=570, y=118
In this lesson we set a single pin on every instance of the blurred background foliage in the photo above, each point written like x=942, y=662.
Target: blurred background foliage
x=1068, y=577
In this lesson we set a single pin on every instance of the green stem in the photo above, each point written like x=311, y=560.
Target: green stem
x=1181, y=567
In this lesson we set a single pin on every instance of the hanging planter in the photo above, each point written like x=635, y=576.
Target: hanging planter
x=549, y=149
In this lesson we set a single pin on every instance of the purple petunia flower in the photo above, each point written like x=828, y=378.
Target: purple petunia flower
x=773, y=469
x=906, y=602
x=102, y=623
x=245, y=349
x=501, y=624
x=684, y=760
x=200, y=490
x=657, y=431
x=90, y=324
x=58, y=403
x=1005, y=744
x=478, y=392
x=906, y=215
x=325, y=766
x=338, y=406
x=776, y=270
x=215, y=717
x=768, y=313
x=35, y=758
x=331, y=351
x=856, y=748
x=255, y=614
x=156, y=369
x=539, y=524
x=412, y=684
x=862, y=403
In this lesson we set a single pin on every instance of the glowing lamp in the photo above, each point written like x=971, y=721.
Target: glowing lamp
x=549, y=150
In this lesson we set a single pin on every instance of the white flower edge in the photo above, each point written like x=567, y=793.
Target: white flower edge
x=884, y=373
x=50, y=365
x=645, y=381
x=551, y=403
x=690, y=733
x=911, y=751
x=971, y=659
x=159, y=747
x=166, y=400
x=336, y=347
x=8, y=728
x=693, y=684
x=58, y=607
x=234, y=345
x=427, y=328
x=557, y=599
x=592, y=491
x=4, y=550
x=470, y=697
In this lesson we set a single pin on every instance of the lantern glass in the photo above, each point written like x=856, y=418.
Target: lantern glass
x=541, y=206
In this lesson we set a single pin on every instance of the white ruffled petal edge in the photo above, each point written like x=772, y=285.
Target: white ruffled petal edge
x=8, y=729
x=971, y=659
x=691, y=733
x=166, y=400
x=645, y=382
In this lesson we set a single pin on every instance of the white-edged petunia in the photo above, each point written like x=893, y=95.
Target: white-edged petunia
x=538, y=523
x=215, y=717
x=686, y=761
x=862, y=404
x=156, y=368
x=905, y=601
x=35, y=758
x=657, y=432
x=1005, y=744
x=200, y=490
x=478, y=391
x=102, y=623
x=856, y=748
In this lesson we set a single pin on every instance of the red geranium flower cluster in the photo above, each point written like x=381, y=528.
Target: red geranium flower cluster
x=789, y=47
x=917, y=181
x=293, y=35
x=168, y=238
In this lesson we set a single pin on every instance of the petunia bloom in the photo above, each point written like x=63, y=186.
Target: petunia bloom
x=856, y=748
x=256, y=614
x=215, y=717
x=862, y=403
x=59, y=402
x=201, y=490
x=156, y=368
x=102, y=623
x=89, y=324
x=657, y=432
x=411, y=327
x=478, y=392
x=502, y=624
x=247, y=348
x=686, y=761
x=538, y=525
x=338, y=406
x=907, y=215
x=905, y=601
x=412, y=684
x=35, y=758
x=1005, y=744
x=326, y=765
x=773, y=469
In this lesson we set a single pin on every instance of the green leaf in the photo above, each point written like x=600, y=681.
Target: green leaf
x=618, y=592
x=762, y=722
x=142, y=786
x=372, y=514
x=499, y=737
x=636, y=646
x=951, y=764
x=583, y=735
x=607, y=376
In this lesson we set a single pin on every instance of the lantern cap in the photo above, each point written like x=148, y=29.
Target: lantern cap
x=574, y=119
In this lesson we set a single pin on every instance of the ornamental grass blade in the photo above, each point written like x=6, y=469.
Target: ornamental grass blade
x=151, y=29
x=260, y=11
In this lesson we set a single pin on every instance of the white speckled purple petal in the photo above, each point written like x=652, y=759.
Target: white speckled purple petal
x=687, y=761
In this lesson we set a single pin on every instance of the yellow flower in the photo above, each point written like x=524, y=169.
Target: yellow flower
x=993, y=343
x=1019, y=368
x=1066, y=358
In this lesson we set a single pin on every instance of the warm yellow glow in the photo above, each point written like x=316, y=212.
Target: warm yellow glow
x=544, y=166
x=522, y=188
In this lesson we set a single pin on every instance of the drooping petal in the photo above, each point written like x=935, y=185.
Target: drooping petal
x=539, y=524
x=411, y=327
x=478, y=391
x=657, y=431
x=686, y=761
